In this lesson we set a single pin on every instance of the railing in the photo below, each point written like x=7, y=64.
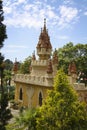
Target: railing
x=36, y=80
x=80, y=86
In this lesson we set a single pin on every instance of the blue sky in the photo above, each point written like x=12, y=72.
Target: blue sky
x=66, y=21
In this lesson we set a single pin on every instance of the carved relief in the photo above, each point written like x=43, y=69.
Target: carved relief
x=30, y=92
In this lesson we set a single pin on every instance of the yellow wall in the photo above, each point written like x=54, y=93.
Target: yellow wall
x=26, y=94
x=23, y=102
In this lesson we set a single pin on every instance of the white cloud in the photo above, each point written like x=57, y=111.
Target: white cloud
x=16, y=46
x=68, y=2
x=7, y=10
x=63, y=37
x=29, y=15
x=85, y=13
x=68, y=15
x=21, y=13
x=21, y=1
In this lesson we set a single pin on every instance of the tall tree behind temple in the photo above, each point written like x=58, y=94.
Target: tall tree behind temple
x=25, y=66
x=70, y=52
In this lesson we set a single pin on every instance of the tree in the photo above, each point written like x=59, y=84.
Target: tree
x=7, y=77
x=76, y=53
x=62, y=110
x=4, y=112
x=8, y=71
x=26, y=120
x=71, y=52
x=24, y=67
x=8, y=65
x=3, y=35
x=65, y=56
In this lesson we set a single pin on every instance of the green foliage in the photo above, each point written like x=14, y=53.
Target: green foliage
x=1, y=59
x=71, y=52
x=3, y=35
x=27, y=119
x=81, y=57
x=7, y=77
x=10, y=90
x=24, y=67
x=5, y=113
x=62, y=110
x=8, y=65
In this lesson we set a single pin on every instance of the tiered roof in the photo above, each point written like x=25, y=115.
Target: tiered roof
x=44, y=39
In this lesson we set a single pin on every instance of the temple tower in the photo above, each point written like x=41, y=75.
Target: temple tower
x=43, y=49
x=44, y=46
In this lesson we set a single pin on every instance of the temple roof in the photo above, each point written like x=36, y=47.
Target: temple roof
x=44, y=39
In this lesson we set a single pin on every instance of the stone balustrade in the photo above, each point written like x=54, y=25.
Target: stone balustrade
x=36, y=80
x=80, y=86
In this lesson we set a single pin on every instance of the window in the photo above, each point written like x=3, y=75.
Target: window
x=40, y=99
x=21, y=94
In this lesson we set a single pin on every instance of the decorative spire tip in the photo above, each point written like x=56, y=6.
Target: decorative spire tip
x=44, y=21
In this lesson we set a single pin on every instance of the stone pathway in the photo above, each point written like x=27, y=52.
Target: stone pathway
x=15, y=113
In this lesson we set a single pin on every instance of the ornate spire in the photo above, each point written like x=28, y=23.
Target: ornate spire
x=15, y=67
x=44, y=29
x=44, y=46
x=49, y=68
x=44, y=39
x=41, y=30
x=33, y=56
x=72, y=68
x=55, y=57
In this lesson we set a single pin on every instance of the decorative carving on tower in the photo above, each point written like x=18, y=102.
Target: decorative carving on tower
x=44, y=46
